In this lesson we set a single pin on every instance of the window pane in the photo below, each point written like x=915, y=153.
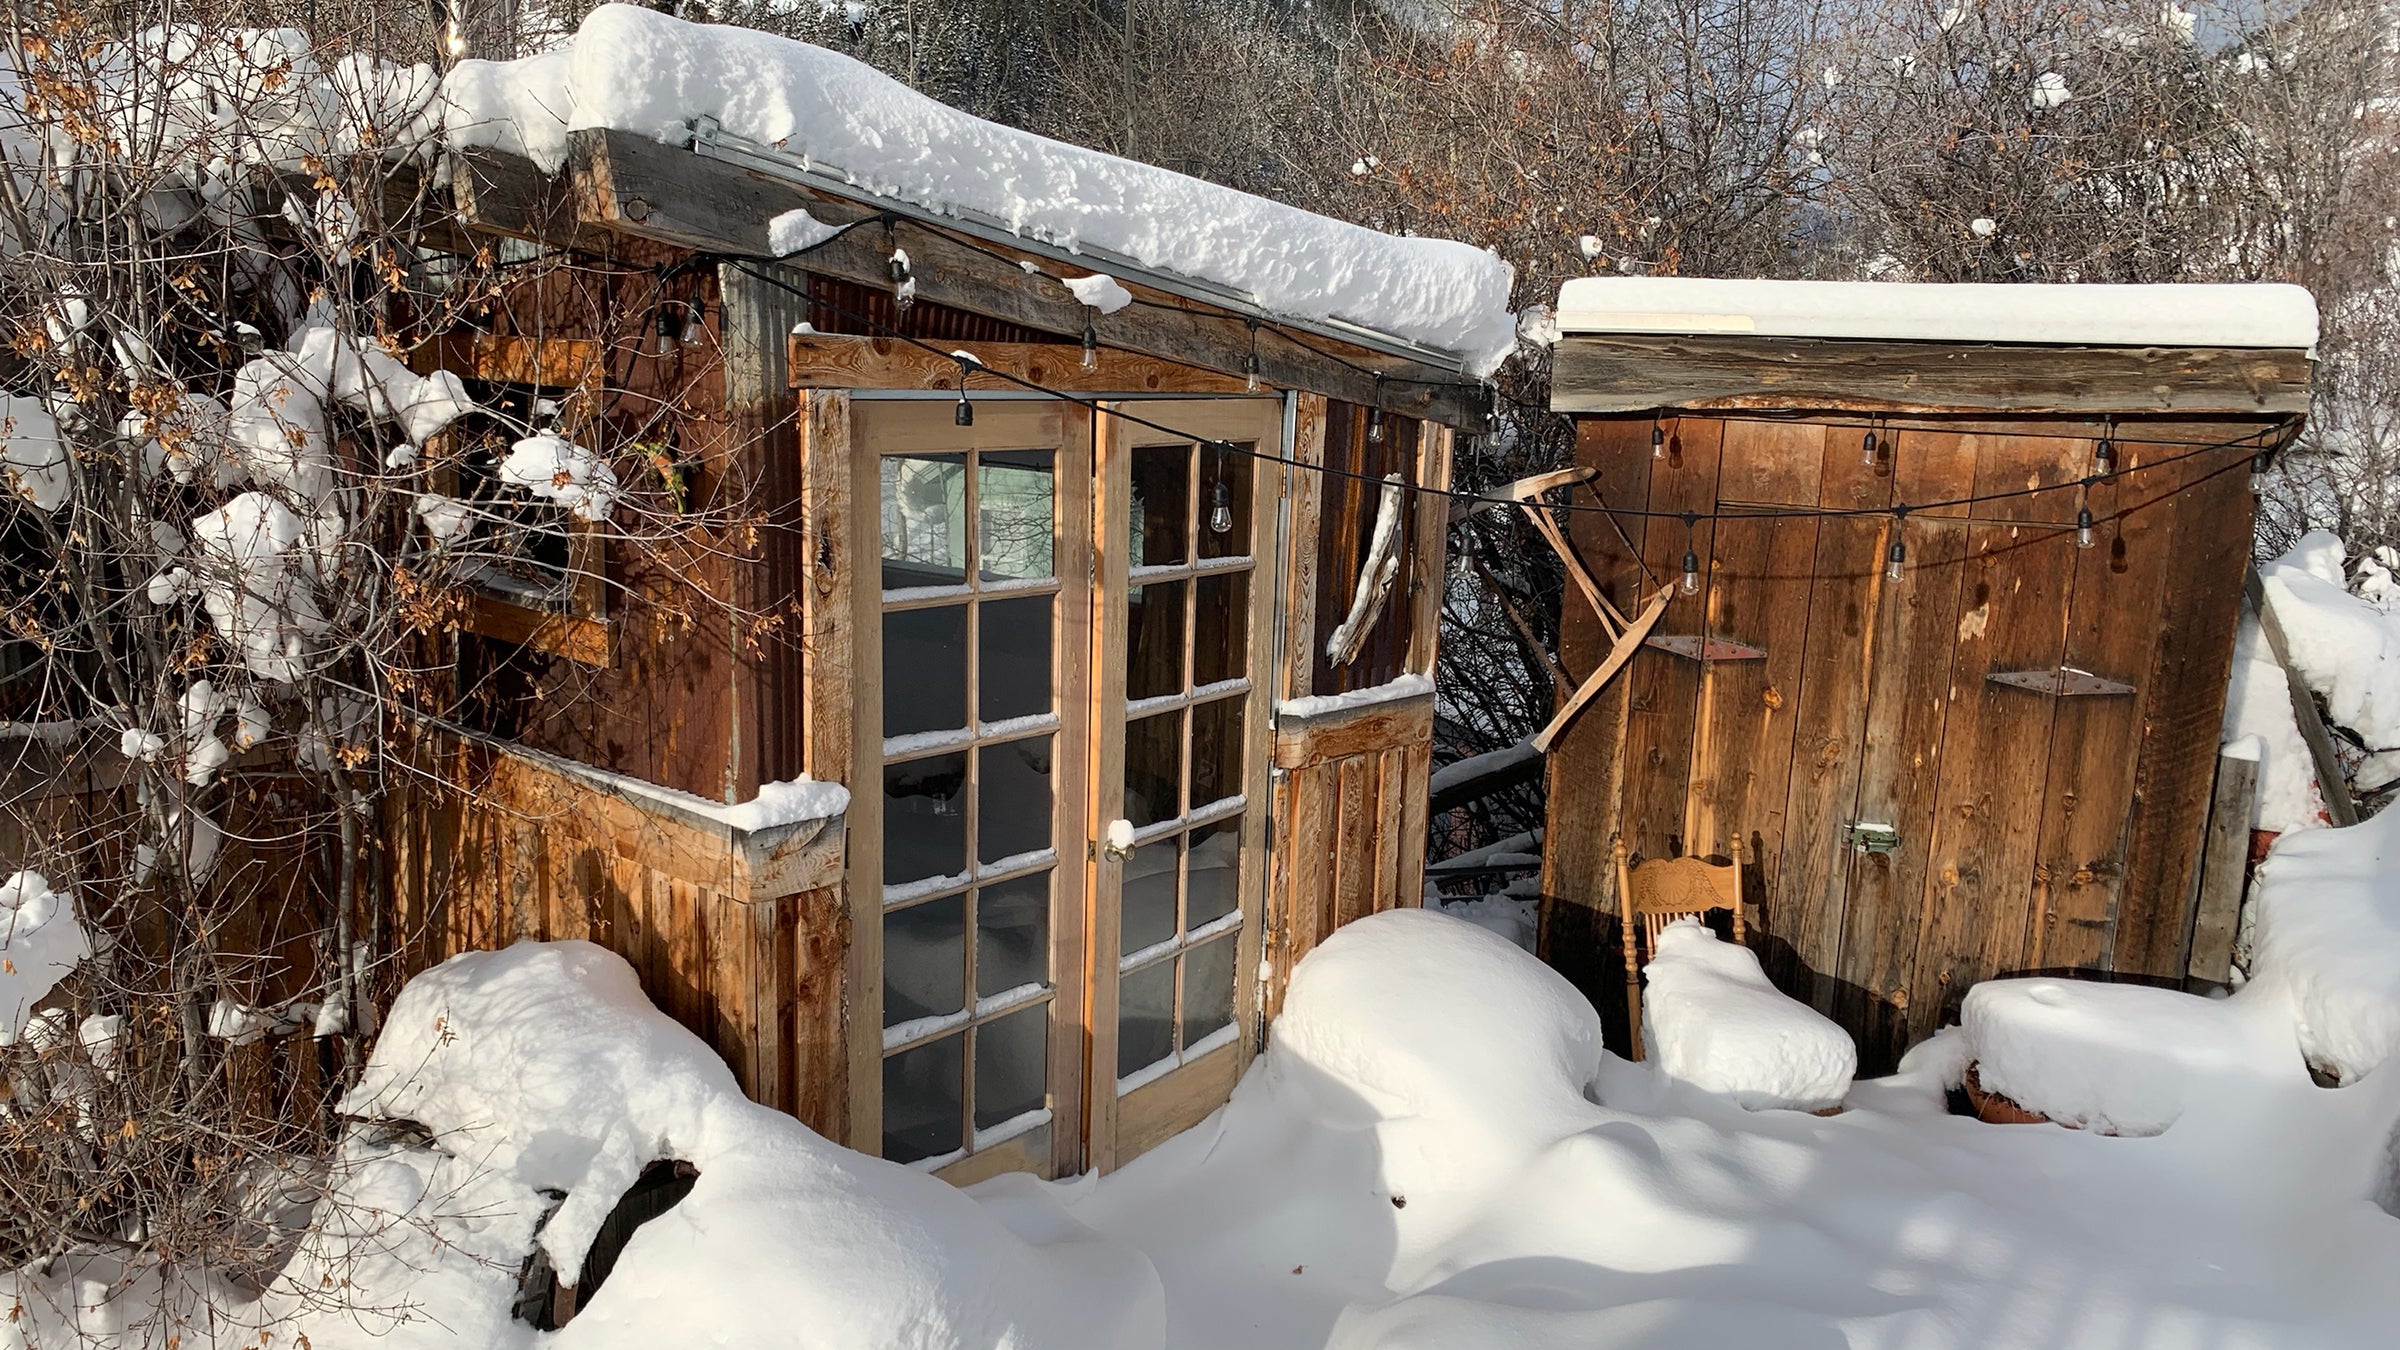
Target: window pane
x=1013, y=501
x=1161, y=507
x=1216, y=750
x=924, y=670
x=1214, y=886
x=923, y=1110
x=924, y=819
x=1221, y=629
x=924, y=530
x=1207, y=989
x=925, y=960
x=1012, y=1066
x=1012, y=934
x=1149, y=909
x=1014, y=640
x=1014, y=795
x=1224, y=483
x=1154, y=768
x=1145, y=1017
x=1154, y=640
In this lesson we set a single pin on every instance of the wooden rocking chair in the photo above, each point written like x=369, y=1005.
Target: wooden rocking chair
x=1662, y=890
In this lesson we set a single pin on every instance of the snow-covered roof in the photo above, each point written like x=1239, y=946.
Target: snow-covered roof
x=2100, y=316
x=635, y=70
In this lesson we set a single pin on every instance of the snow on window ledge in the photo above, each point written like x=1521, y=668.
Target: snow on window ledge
x=1326, y=705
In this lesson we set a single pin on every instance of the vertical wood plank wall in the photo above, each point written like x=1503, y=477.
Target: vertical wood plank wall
x=745, y=948
x=1349, y=812
x=2035, y=832
x=1350, y=785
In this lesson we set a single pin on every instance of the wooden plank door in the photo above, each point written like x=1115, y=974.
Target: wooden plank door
x=969, y=800
x=1179, y=761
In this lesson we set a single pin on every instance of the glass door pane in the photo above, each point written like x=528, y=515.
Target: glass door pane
x=1179, y=719
x=978, y=741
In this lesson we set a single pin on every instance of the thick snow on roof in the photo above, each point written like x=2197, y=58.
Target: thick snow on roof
x=636, y=70
x=2101, y=316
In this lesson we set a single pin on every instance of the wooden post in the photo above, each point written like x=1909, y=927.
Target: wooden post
x=2224, y=872
x=2304, y=709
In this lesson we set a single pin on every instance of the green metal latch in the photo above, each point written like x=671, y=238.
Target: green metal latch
x=1871, y=836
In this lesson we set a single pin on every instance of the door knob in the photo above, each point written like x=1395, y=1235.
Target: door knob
x=1117, y=841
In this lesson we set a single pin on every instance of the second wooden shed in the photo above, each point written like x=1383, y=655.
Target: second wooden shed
x=1954, y=654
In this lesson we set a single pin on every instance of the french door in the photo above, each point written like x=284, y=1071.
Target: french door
x=1179, y=778
x=1062, y=633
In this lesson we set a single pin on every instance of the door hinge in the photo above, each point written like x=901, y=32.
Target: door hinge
x=1871, y=836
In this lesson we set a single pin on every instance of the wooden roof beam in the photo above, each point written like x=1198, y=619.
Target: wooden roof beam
x=1626, y=373
x=638, y=186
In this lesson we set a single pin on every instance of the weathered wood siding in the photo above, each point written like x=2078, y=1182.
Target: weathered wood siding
x=740, y=937
x=2035, y=832
x=1349, y=817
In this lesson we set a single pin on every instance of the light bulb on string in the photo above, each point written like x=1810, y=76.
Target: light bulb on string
x=1895, y=561
x=964, y=414
x=2083, y=528
x=2105, y=456
x=1375, y=414
x=2262, y=467
x=1658, y=440
x=1091, y=342
x=1220, y=499
x=1250, y=369
x=1691, y=557
x=1866, y=452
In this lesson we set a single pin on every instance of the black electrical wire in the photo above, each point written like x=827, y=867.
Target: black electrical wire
x=2249, y=443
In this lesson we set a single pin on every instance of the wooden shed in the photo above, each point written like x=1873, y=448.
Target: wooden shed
x=1054, y=589
x=1951, y=667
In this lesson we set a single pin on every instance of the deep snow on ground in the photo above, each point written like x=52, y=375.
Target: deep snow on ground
x=1435, y=1151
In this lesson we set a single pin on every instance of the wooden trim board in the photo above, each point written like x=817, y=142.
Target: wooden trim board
x=1626, y=373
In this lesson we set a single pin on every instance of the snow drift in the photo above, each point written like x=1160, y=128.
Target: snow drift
x=635, y=70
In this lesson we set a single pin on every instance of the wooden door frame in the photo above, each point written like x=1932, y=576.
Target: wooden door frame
x=1122, y=1126
x=879, y=427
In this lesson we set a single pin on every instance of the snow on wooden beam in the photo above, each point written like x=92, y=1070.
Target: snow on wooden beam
x=633, y=185
x=1617, y=373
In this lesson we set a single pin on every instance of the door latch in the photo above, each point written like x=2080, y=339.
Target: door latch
x=1872, y=836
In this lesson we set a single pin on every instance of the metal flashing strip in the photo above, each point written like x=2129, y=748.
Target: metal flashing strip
x=2064, y=682
x=712, y=141
x=1697, y=648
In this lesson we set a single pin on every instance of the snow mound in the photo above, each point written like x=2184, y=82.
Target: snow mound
x=2328, y=933
x=2121, y=1059
x=2346, y=648
x=635, y=70
x=1423, y=1015
x=545, y=1066
x=1711, y=1018
x=40, y=944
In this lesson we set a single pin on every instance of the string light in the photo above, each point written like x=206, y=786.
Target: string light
x=904, y=280
x=2262, y=457
x=1866, y=454
x=1375, y=414
x=1691, y=558
x=1220, y=498
x=2262, y=465
x=2083, y=527
x=1250, y=362
x=1895, y=561
x=964, y=414
x=2105, y=456
x=1658, y=440
x=1091, y=342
